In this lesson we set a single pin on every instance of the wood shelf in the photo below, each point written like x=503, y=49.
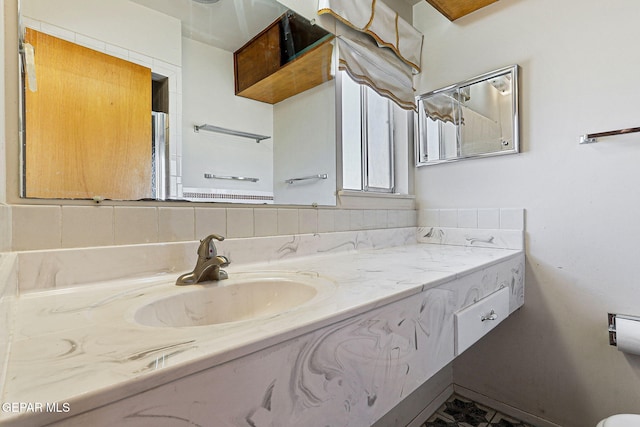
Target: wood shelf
x=454, y=9
x=268, y=69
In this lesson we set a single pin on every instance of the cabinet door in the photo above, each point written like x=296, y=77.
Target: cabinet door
x=88, y=124
x=258, y=59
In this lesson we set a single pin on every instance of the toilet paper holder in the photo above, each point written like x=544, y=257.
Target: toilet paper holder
x=613, y=339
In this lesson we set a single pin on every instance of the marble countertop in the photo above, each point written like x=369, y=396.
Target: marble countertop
x=83, y=347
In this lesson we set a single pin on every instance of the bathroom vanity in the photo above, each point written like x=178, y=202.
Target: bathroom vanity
x=364, y=319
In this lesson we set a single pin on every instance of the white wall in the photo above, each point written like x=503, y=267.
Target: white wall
x=117, y=22
x=580, y=64
x=208, y=84
x=305, y=145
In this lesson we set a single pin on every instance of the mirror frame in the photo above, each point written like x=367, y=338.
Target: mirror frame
x=420, y=141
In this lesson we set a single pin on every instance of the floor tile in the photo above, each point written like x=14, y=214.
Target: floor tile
x=468, y=413
x=501, y=420
x=438, y=420
x=458, y=411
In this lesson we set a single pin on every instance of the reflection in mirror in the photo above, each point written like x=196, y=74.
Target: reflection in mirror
x=81, y=132
x=474, y=118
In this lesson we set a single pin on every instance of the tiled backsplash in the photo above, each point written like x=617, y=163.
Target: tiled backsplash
x=493, y=219
x=66, y=268
x=489, y=228
x=5, y=228
x=36, y=227
x=8, y=291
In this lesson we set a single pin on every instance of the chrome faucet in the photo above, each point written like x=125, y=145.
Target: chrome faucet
x=208, y=264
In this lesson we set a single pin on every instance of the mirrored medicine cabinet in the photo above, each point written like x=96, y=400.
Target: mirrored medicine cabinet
x=472, y=119
x=177, y=59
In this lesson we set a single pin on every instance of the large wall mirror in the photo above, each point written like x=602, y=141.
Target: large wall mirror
x=151, y=99
x=472, y=119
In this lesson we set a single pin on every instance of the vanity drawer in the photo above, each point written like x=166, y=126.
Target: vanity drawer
x=473, y=322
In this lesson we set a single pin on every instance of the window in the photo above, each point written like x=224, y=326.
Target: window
x=374, y=131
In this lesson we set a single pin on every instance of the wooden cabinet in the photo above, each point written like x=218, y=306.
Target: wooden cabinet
x=454, y=9
x=288, y=57
x=88, y=124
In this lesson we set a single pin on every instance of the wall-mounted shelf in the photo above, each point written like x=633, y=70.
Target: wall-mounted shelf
x=454, y=9
x=288, y=57
x=218, y=129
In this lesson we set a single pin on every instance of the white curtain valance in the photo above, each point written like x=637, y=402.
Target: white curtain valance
x=377, y=68
x=442, y=107
x=382, y=23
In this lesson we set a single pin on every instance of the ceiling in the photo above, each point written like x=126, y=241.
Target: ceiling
x=227, y=25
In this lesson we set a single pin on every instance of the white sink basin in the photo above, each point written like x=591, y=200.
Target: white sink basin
x=231, y=300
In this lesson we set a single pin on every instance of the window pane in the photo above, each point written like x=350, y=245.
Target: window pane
x=351, y=135
x=379, y=143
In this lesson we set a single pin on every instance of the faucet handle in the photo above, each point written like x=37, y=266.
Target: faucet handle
x=207, y=247
x=215, y=236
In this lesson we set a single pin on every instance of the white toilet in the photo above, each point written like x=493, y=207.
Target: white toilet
x=621, y=420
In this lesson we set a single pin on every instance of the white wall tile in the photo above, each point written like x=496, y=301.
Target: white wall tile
x=209, y=221
x=356, y=219
x=176, y=224
x=369, y=219
x=393, y=218
x=326, y=220
x=308, y=221
x=116, y=51
x=403, y=218
x=412, y=218
x=489, y=218
x=468, y=218
x=91, y=43
x=134, y=224
x=137, y=58
x=5, y=228
x=448, y=218
x=84, y=226
x=342, y=220
x=382, y=218
x=288, y=221
x=512, y=219
x=36, y=227
x=58, y=32
x=240, y=222
x=428, y=218
x=31, y=23
x=265, y=222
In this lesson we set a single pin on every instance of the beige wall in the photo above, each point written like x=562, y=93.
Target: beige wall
x=579, y=66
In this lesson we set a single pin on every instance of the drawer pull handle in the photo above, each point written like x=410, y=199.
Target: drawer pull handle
x=491, y=316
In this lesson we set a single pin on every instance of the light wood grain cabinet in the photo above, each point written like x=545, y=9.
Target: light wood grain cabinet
x=288, y=57
x=87, y=124
x=454, y=9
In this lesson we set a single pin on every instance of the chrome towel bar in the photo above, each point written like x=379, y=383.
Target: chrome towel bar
x=233, y=178
x=304, y=178
x=226, y=131
x=593, y=137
